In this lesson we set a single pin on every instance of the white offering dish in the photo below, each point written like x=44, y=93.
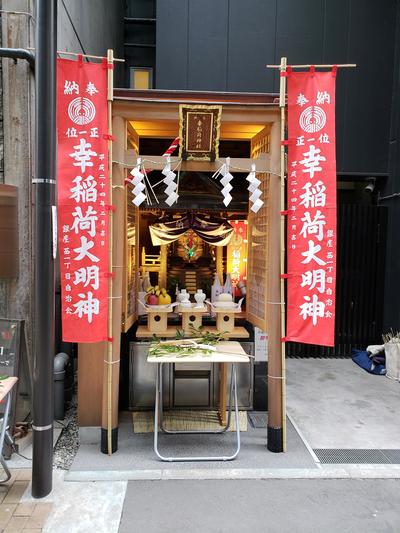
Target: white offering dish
x=225, y=305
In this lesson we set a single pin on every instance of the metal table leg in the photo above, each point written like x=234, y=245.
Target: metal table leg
x=4, y=422
x=189, y=431
x=159, y=412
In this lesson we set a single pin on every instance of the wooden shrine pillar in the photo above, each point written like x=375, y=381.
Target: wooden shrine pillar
x=111, y=387
x=275, y=378
x=162, y=279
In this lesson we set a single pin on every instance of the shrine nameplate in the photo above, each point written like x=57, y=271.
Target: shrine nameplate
x=199, y=132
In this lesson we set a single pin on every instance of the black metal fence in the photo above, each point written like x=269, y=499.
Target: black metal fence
x=360, y=282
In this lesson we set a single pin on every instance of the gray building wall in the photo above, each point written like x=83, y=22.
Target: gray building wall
x=224, y=45
x=84, y=26
x=18, y=87
x=91, y=27
x=392, y=277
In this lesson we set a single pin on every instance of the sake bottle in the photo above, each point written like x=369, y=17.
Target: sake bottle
x=146, y=281
x=228, y=287
x=216, y=288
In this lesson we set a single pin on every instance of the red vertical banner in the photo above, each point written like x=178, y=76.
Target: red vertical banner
x=311, y=219
x=83, y=199
x=236, y=254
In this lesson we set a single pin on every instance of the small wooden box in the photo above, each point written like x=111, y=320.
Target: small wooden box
x=191, y=317
x=225, y=320
x=157, y=320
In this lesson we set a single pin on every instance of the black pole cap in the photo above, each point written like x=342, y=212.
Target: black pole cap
x=104, y=440
x=275, y=439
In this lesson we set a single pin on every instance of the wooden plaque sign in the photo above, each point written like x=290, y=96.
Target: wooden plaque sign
x=199, y=130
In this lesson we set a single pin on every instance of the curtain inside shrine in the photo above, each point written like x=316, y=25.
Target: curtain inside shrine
x=213, y=230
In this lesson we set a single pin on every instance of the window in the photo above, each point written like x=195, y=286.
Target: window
x=141, y=78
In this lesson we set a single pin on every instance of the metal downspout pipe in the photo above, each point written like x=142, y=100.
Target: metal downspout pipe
x=44, y=310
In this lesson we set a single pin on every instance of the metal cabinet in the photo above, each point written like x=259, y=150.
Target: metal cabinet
x=183, y=385
x=142, y=378
x=192, y=386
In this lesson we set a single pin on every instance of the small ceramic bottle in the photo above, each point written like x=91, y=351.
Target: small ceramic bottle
x=146, y=281
x=184, y=298
x=199, y=297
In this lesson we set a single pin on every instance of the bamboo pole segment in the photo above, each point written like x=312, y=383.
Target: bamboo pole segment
x=274, y=428
x=74, y=54
x=109, y=368
x=282, y=105
x=343, y=65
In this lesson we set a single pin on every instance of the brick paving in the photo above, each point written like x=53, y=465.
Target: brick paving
x=17, y=516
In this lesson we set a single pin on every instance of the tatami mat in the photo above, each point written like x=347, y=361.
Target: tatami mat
x=185, y=420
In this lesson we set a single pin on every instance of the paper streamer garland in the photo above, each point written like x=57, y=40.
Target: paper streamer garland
x=169, y=180
x=138, y=184
x=225, y=181
x=255, y=192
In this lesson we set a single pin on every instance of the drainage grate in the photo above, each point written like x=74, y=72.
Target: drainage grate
x=393, y=456
x=353, y=456
x=258, y=420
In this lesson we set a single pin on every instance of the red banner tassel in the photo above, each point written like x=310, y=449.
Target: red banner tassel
x=108, y=137
x=111, y=207
x=106, y=65
x=286, y=73
x=284, y=213
x=80, y=60
x=285, y=143
x=334, y=71
x=109, y=275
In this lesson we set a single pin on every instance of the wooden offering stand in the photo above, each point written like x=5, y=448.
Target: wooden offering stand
x=225, y=319
x=226, y=315
x=191, y=317
x=157, y=318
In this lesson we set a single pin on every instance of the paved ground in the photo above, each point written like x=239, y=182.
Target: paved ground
x=135, y=457
x=18, y=516
x=328, y=506
x=337, y=404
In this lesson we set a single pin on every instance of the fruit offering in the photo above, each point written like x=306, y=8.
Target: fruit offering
x=157, y=296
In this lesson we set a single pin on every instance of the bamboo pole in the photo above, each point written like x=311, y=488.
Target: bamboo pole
x=282, y=105
x=74, y=54
x=110, y=83
x=274, y=430
x=343, y=65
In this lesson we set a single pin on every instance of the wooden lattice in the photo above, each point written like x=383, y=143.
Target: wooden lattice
x=257, y=262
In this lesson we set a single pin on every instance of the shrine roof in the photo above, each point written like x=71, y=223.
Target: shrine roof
x=168, y=96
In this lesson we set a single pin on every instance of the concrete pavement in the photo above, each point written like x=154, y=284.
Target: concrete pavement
x=292, y=506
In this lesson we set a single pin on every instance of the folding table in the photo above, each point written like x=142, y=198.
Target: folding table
x=226, y=352
x=6, y=387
